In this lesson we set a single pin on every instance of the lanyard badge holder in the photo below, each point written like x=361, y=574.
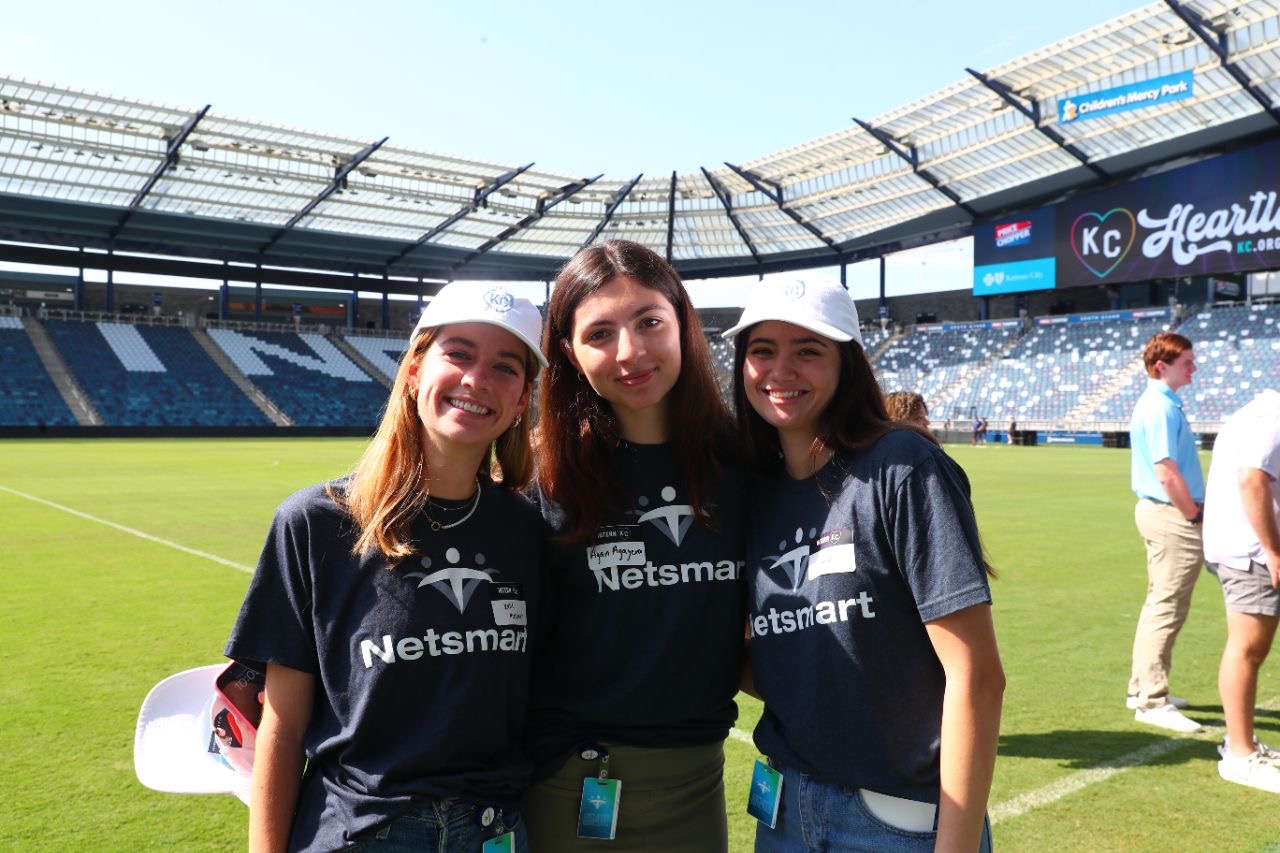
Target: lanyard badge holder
x=491, y=818
x=601, y=796
x=766, y=794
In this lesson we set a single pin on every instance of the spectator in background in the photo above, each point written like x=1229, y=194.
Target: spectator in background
x=1242, y=547
x=907, y=406
x=1166, y=476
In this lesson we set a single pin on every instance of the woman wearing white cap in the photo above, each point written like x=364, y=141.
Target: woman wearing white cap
x=636, y=676
x=391, y=609
x=867, y=588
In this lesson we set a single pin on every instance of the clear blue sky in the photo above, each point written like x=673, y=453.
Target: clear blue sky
x=578, y=87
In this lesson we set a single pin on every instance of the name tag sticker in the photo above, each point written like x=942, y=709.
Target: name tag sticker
x=618, y=545
x=598, y=814
x=766, y=794
x=835, y=554
x=508, y=604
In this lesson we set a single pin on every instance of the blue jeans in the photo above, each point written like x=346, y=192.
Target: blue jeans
x=815, y=817
x=445, y=826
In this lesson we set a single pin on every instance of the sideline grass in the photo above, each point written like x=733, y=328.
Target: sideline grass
x=91, y=618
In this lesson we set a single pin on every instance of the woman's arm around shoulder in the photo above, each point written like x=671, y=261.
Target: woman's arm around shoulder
x=965, y=642
x=278, y=757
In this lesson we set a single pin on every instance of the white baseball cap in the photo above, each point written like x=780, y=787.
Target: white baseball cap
x=176, y=748
x=815, y=302
x=472, y=302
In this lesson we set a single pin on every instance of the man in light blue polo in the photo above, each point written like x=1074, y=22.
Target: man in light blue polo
x=1166, y=476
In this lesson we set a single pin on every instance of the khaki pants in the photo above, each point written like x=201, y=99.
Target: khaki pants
x=672, y=801
x=1174, y=557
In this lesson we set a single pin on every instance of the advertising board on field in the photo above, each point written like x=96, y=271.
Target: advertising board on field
x=1220, y=216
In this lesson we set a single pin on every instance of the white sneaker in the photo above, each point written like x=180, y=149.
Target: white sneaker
x=1268, y=752
x=1253, y=770
x=1167, y=717
x=1133, y=702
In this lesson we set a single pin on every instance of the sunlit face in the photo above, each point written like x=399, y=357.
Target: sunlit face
x=790, y=375
x=921, y=419
x=626, y=342
x=1178, y=372
x=470, y=385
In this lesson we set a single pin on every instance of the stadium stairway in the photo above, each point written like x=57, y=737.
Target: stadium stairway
x=883, y=345
x=361, y=362
x=72, y=394
x=947, y=395
x=264, y=404
x=1121, y=380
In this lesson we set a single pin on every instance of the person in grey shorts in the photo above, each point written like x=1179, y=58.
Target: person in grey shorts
x=1242, y=547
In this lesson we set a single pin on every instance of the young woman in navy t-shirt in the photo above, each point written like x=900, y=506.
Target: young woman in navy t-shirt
x=869, y=615
x=391, y=609
x=639, y=664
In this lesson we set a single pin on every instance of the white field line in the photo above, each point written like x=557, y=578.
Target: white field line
x=131, y=531
x=738, y=734
x=1068, y=785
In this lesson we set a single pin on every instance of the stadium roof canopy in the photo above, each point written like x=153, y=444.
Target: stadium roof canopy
x=88, y=170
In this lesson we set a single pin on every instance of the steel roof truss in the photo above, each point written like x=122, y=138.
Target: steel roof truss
x=481, y=197
x=1217, y=42
x=339, y=180
x=912, y=157
x=725, y=200
x=544, y=205
x=774, y=191
x=1006, y=94
x=613, y=206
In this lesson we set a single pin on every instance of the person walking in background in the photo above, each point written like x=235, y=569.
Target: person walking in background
x=1242, y=547
x=907, y=406
x=1165, y=474
x=640, y=481
x=869, y=608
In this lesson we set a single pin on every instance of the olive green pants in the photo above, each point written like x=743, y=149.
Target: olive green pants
x=672, y=801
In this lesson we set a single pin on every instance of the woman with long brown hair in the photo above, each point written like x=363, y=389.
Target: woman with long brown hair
x=390, y=609
x=872, y=642
x=640, y=661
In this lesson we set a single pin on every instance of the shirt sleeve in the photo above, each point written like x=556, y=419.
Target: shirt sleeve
x=1162, y=433
x=275, y=621
x=936, y=540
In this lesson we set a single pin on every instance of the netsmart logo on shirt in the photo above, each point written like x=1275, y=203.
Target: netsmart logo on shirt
x=801, y=562
x=458, y=584
x=618, y=557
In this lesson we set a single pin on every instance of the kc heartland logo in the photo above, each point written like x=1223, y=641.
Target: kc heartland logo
x=1101, y=240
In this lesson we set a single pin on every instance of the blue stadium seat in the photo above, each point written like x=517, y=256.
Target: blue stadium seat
x=306, y=376
x=27, y=394
x=150, y=376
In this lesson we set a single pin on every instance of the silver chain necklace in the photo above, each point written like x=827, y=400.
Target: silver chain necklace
x=436, y=526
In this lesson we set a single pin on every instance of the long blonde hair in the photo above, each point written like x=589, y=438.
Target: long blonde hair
x=384, y=492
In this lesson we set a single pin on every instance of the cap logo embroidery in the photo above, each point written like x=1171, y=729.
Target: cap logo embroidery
x=499, y=300
x=793, y=290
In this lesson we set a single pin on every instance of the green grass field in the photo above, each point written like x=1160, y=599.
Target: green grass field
x=91, y=616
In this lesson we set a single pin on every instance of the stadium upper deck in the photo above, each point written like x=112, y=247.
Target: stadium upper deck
x=89, y=170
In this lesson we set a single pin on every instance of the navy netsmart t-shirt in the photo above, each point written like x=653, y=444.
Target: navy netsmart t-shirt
x=845, y=569
x=422, y=670
x=643, y=633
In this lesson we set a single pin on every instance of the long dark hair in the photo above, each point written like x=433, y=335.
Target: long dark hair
x=577, y=430
x=856, y=416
